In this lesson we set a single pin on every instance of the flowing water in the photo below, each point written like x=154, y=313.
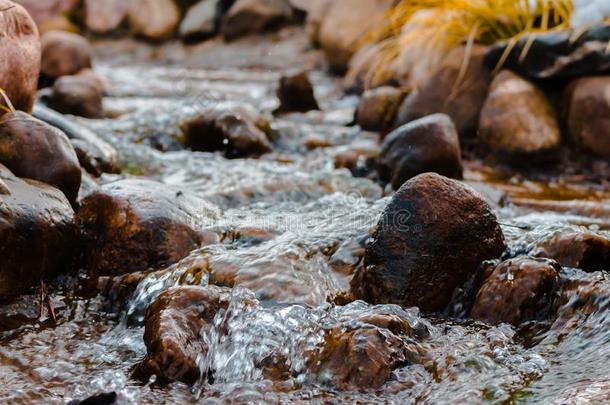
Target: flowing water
x=292, y=228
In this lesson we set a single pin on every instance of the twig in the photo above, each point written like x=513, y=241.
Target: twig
x=7, y=100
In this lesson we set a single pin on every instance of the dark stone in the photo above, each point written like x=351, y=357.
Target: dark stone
x=431, y=237
x=378, y=107
x=584, y=250
x=296, y=93
x=429, y=144
x=107, y=398
x=253, y=16
x=77, y=95
x=64, y=54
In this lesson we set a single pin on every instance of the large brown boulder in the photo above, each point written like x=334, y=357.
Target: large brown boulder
x=431, y=237
x=172, y=334
x=33, y=149
x=64, y=54
x=154, y=19
x=516, y=291
x=77, y=95
x=134, y=225
x=19, y=56
x=253, y=16
x=429, y=144
x=588, y=113
x=461, y=98
x=37, y=233
x=103, y=17
x=345, y=25
x=517, y=118
x=585, y=250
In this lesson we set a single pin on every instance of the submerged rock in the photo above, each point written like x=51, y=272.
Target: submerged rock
x=378, y=107
x=443, y=92
x=235, y=130
x=133, y=225
x=37, y=233
x=584, y=250
x=154, y=19
x=516, y=291
x=19, y=56
x=64, y=54
x=33, y=149
x=517, y=118
x=253, y=16
x=588, y=114
x=173, y=332
x=296, y=93
x=77, y=95
x=431, y=237
x=201, y=20
x=103, y=17
x=429, y=144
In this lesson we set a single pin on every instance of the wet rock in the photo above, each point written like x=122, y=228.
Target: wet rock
x=253, y=16
x=173, y=332
x=103, y=17
x=296, y=93
x=133, y=225
x=94, y=154
x=154, y=19
x=517, y=118
x=584, y=250
x=516, y=291
x=555, y=55
x=107, y=398
x=77, y=95
x=46, y=11
x=19, y=56
x=98, y=81
x=201, y=20
x=429, y=144
x=431, y=237
x=236, y=130
x=64, y=54
x=443, y=93
x=588, y=113
x=345, y=24
x=37, y=233
x=378, y=107
x=33, y=149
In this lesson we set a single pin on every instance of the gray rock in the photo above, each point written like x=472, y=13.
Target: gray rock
x=201, y=20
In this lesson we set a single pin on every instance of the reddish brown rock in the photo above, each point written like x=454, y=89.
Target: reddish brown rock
x=253, y=16
x=37, y=233
x=154, y=19
x=103, y=17
x=517, y=118
x=429, y=144
x=33, y=149
x=19, y=56
x=442, y=92
x=584, y=250
x=517, y=290
x=172, y=333
x=378, y=107
x=588, y=113
x=134, y=225
x=431, y=237
x=44, y=11
x=296, y=93
x=64, y=54
x=77, y=95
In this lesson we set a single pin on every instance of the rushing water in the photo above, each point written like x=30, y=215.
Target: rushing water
x=290, y=224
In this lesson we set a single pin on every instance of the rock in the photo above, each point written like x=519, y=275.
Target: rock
x=98, y=81
x=431, y=237
x=77, y=95
x=316, y=10
x=173, y=332
x=103, y=17
x=429, y=144
x=442, y=93
x=584, y=250
x=105, y=398
x=517, y=290
x=236, y=130
x=201, y=20
x=33, y=149
x=134, y=225
x=64, y=54
x=517, y=118
x=154, y=19
x=588, y=113
x=45, y=11
x=557, y=55
x=37, y=233
x=345, y=24
x=296, y=93
x=378, y=107
x=19, y=56
x=96, y=155
x=253, y=16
